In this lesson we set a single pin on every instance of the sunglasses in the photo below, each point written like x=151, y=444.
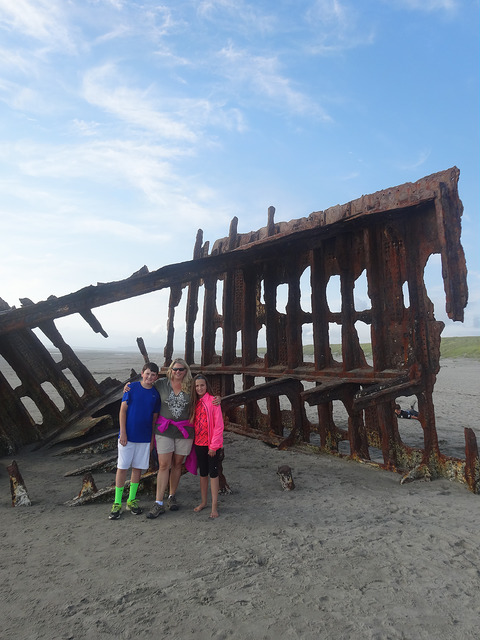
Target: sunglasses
x=179, y=369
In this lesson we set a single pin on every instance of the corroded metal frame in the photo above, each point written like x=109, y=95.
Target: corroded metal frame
x=387, y=236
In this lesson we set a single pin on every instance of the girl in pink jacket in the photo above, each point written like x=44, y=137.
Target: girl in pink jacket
x=208, y=421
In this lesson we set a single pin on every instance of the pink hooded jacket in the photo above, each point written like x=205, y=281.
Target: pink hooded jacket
x=214, y=421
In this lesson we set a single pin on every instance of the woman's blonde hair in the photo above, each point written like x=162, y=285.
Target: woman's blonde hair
x=187, y=378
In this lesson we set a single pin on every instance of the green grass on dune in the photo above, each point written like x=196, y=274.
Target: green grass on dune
x=468, y=347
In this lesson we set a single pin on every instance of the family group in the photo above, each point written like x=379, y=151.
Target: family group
x=179, y=416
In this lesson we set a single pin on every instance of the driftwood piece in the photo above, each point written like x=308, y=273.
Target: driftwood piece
x=286, y=478
x=472, y=461
x=17, y=487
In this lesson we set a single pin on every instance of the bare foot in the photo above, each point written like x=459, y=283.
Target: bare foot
x=200, y=507
x=214, y=514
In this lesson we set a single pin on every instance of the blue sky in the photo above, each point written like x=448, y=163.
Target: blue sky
x=125, y=126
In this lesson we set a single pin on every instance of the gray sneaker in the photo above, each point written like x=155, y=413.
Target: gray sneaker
x=172, y=503
x=155, y=511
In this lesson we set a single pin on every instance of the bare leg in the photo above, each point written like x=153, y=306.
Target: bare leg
x=120, y=477
x=175, y=473
x=203, y=493
x=164, y=462
x=135, y=477
x=214, y=486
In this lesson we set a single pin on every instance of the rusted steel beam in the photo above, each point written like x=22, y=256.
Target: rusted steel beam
x=174, y=301
x=449, y=209
x=192, y=305
x=210, y=322
x=334, y=389
x=289, y=387
x=107, y=464
x=107, y=442
x=407, y=383
x=17, y=427
x=320, y=310
x=283, y=386
x=143, y=350
x=472, y=461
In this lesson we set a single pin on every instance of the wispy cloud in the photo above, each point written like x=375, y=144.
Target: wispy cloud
x=261, y=76
x=43, y=21
x=104, y=88
x=429, y=5
x=422, y=157
x=239, y=16
x=335, y=27
x=15, y=60
x=171, y=119
x=149, y=169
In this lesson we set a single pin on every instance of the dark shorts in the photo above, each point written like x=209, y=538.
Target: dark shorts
x=207, y=465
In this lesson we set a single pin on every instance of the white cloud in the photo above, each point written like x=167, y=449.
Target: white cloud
x=429, y=5
x=102, y=88
x=110, y=228
x=261, y=75
x=22, y=98
x=240, y=16
x=422, y=157
x=40, y=20
x=335, y=27
x=110, y=165
x=16, y=61
x=86, y=128
x=174, y=119
x=120, y=31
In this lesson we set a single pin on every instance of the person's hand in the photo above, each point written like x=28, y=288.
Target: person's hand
x=123, y=439
x=126, y=387
x=217, y=401
x=211, y=453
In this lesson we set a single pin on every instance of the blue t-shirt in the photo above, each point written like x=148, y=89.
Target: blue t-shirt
x=142, y=404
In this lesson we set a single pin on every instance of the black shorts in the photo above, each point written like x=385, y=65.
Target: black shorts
x=208, y=465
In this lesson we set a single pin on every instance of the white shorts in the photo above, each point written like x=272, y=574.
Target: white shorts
x=180, y=446
x=134, y=454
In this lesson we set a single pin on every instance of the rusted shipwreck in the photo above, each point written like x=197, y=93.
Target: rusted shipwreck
x=386, y=237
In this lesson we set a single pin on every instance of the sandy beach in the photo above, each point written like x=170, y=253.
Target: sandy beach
x=349, y=553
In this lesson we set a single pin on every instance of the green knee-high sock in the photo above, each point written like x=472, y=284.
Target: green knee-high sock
x=133, y=490
x=118, y=495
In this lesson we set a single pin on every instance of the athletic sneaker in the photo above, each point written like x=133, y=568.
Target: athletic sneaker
x=115, y=512
x=155, y=511
x=172, y=503
x=132, y=505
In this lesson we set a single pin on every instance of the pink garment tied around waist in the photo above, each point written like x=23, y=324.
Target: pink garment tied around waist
x=163, y=424
x=191, y=460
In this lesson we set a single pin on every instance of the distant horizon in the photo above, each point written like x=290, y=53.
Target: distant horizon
x=469, y=344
